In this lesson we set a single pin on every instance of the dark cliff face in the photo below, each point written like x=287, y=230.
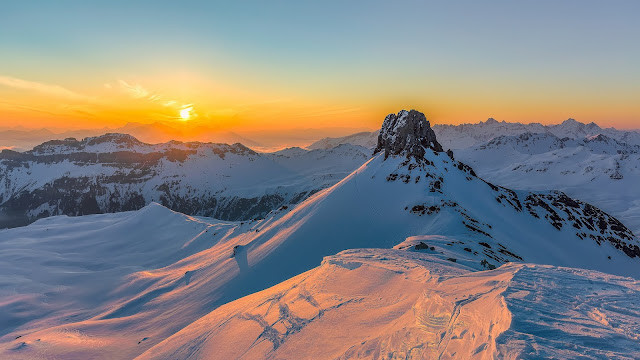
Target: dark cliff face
x=407, y=134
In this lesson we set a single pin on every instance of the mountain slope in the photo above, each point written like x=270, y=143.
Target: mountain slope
x=410, y=195
x=600, y=170
x=64, y=269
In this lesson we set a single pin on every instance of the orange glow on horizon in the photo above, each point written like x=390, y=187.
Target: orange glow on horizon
x=34, y=104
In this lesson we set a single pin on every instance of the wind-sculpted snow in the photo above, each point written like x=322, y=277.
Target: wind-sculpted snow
x=565, y=313
x=389, y=304
x=116, y=172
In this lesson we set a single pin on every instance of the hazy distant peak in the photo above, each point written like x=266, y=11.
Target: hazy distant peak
x=117, y=138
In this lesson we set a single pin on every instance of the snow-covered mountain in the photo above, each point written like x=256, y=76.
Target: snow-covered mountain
x=599, y=165
x=469, y=135
x=598, y=169
x=466, y=135
x=433, y=225
x=116, y=172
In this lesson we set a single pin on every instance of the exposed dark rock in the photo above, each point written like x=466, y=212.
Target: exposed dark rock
x=450, y=154
x=407, y=134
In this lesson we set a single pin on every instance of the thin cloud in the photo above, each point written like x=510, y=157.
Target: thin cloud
x=136, y=91
x=43, y=88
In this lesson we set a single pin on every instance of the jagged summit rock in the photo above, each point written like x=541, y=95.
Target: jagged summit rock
x=408, y=133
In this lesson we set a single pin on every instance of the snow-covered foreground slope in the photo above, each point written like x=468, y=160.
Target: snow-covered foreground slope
x=374, y=303
x=116, y=172
x=410, y=196
x=599, y=170
x=64, y=268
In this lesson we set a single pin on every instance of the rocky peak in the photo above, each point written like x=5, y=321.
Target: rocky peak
x=408, y=133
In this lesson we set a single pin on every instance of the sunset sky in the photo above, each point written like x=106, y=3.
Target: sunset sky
x=301, y=64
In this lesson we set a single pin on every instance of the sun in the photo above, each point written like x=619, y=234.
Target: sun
x=185, y=114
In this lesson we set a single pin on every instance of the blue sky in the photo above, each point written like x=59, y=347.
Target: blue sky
x=517, y=60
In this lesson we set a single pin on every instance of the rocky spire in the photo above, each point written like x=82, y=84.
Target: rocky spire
x=407, y=134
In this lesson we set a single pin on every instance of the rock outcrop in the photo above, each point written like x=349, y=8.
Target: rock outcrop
x=407, y=134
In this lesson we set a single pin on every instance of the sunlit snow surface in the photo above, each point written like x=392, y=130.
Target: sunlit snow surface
x=393, y=304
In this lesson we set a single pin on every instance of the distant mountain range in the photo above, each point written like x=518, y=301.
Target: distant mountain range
x=584, y=160
x=117, y=172
x=466, y=135
x=22, y=139
x=265, y=140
